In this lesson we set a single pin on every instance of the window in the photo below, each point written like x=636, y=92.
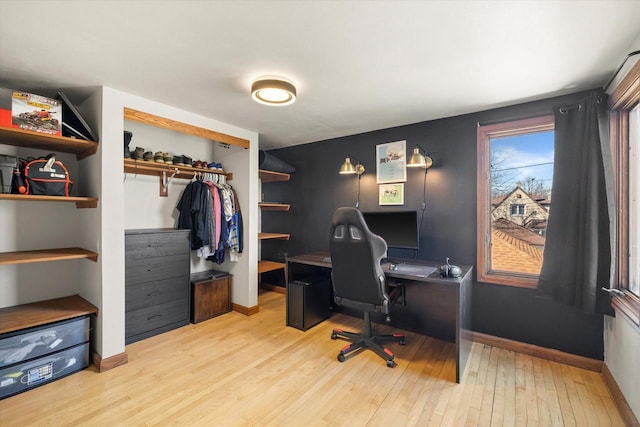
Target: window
x=515, y=173
x=517, y=209
x=625, y=146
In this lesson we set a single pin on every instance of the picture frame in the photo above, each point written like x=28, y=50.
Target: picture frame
x=391, y=194
x=391, y=162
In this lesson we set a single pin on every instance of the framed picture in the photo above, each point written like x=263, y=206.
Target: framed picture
x=391, y=194
x=391, y=162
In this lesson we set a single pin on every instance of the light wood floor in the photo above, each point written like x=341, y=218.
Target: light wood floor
x=243, y=371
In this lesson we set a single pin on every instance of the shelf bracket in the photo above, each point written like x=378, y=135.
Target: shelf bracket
x=164, y=182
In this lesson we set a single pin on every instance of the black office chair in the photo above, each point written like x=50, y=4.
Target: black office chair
x=358, y=280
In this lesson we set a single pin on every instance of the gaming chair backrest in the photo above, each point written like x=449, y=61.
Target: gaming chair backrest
x=356, y=252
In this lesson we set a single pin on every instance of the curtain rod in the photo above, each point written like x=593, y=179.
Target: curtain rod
x=624, y=61
x=516, y=118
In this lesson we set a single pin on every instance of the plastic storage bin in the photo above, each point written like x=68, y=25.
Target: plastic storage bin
x=34, y=342
x=25, y=376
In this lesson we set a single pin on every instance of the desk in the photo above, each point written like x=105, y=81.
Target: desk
x=431, y=305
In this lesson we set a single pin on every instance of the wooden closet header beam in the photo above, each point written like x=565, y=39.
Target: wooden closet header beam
x=164, y=123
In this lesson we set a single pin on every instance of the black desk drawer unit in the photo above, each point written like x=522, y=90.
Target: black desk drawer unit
x=157, y=265
x=36, y=356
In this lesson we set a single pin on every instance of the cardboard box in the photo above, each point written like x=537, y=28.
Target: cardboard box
x=36, y=113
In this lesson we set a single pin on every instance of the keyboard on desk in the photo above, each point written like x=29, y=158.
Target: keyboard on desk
x=408, y=269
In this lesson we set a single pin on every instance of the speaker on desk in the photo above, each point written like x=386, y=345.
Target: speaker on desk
x=308, y=302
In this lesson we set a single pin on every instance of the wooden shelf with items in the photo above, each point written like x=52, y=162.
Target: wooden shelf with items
x=22, y=138
x=33, y=314
x=81, y=202
x=81, y=148
x=269, y=206
x=167, y=172
x=45, y=255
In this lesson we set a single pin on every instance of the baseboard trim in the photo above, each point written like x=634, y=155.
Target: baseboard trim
x=621, y=403
x=274, y=288
x=247, y=311
x=103, y=365
x=541, y=352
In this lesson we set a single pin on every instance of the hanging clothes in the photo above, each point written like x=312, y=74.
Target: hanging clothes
x=211, y=211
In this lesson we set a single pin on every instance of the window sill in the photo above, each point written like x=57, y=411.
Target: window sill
x=628, y=306
x=506, y=279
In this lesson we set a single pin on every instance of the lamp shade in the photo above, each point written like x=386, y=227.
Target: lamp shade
x=347, y=167
x=273, y=91
x=417, y=160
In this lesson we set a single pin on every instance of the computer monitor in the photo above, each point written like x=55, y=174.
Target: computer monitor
x=399, y=229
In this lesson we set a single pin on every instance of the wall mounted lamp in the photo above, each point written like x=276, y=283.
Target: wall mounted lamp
x=348, y=168
x=419, y=160
x=424, y=161
x=274, y=91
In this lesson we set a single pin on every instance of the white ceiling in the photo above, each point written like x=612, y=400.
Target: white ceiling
x=358, y=65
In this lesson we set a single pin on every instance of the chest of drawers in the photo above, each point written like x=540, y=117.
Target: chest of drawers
x=157, y=282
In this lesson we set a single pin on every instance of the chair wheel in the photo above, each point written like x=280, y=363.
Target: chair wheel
x=403, y=342
x=341, y=357
x=334, y=336
x=391, y=364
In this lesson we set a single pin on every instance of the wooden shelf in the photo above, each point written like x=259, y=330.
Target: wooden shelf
x=81, y=202
x=44, y=255
x=155, y=169
x=173, y=125
x=167, y=172
x=270, y=176
x=22, y=138
x=274, y=206
x=265, y=236
x=41, y=313
x=265, y=266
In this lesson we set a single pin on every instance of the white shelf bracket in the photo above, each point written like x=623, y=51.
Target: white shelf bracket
x=164, y=182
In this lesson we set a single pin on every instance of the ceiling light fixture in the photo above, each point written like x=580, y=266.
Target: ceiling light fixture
x=273, y=91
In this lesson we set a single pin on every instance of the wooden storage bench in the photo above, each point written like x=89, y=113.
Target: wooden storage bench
x=210, y=294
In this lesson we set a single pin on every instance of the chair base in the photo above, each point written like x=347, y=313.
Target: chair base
x=367, y=340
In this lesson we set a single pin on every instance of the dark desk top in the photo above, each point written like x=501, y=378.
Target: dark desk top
x=411, y=269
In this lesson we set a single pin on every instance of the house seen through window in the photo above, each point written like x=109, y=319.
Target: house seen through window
x=514, y=186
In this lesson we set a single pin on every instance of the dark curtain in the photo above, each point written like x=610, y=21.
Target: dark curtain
x=577, y=254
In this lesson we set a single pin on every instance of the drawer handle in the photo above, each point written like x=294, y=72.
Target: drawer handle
x=154, y=293
x=157, y=316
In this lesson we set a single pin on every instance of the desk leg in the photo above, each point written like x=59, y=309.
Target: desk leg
x=464, y=327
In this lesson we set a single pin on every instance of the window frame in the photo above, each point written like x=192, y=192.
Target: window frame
x=484, y=135
x=624, y=98
x=517, y=206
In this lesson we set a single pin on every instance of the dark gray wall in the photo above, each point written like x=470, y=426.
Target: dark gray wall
x=449, y=229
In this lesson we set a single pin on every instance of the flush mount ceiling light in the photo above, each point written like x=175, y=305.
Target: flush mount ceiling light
x=273, y=91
